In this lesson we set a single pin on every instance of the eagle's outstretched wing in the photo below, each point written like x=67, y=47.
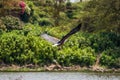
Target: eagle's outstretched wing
x=73, y=31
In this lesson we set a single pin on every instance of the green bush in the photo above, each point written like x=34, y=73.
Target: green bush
x=16, y=48
x=80, y=40
x=104, y=40
x=99, y=18
x=69, y=14
x=73, y=56
x=12, y=23
x=11, y=46
x=34, y=30
x=80, y=49
x=45, y=22
x=2, y=26
x=111, y=58
x=42, y=14
x=69, y=11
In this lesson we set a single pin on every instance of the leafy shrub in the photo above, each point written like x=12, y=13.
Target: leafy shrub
x=10, y=48
x=57, y=32
x=83, y=57
x=69, y=14
x=104, y=40
x=2, y=26
x=111, y=58
x=43, y=14
x=80, y=49
x=69, y=11
x=12, y=23
x=34, y=30
x=80, y=40
x=100, y=43
x=45, y=22
x=19, y=49
x=99, y=18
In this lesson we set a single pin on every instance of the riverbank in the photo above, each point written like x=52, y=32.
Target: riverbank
x=56, y=68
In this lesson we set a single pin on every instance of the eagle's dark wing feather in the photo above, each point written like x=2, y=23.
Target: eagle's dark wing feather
x=73, y=31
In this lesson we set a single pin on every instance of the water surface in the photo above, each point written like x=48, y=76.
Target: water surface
x=58, y=76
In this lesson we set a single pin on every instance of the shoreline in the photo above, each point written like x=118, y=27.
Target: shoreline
x=54, y=68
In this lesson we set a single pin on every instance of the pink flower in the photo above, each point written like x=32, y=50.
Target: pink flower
x=22, y=5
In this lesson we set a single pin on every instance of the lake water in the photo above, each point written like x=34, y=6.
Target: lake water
x=58, y=76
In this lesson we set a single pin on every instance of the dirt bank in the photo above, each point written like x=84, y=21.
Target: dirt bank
x=54, y=67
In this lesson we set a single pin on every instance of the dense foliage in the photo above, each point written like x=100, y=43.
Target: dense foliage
x=21, y=44
x=102, y=15
x=87, y=46
x=15, y=48
x=11, y=23
x=81, y=49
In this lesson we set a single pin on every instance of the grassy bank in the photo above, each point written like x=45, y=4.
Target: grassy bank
x=63, y=69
